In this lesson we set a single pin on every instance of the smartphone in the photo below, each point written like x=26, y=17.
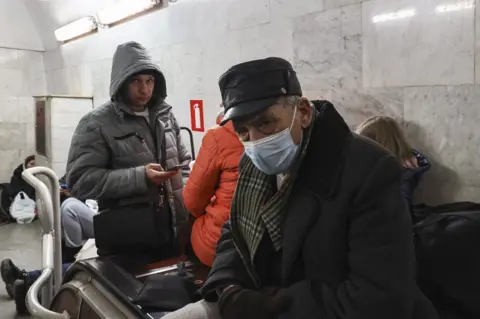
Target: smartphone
x=176, y=168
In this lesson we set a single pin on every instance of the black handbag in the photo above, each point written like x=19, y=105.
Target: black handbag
x=167, y=292
x=134, y=229
x=448, y=260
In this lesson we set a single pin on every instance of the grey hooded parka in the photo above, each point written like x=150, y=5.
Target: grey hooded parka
x=111, y=145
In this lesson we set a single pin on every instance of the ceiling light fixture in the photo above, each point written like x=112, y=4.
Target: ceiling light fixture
x=124, y=10
x=76, y=29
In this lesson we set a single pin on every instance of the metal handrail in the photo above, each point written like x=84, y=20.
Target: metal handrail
x=33, y=304
x=52, y=241
x=192, y=144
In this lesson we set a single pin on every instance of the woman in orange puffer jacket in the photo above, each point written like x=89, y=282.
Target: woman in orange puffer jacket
x=210, y=187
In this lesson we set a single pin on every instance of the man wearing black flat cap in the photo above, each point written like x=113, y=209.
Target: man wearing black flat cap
x=318, y=226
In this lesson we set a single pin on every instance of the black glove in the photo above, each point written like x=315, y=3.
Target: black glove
x=238, y=303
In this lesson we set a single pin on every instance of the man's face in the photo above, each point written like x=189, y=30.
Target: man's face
x=140, y=90
x=275, y=119
x=31, y=163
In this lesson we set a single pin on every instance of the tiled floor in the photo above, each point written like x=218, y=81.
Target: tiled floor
x=21, y=243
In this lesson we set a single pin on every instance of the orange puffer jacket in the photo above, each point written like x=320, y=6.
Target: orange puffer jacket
x=210, y=187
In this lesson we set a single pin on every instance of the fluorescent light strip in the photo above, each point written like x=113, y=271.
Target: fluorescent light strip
x=455, y=7
x=76, y=29
x=123, y=10
x=394, y=15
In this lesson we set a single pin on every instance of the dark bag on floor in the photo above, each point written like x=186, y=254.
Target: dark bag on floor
x=5, y=202
x=448, y=259
x=135, y=229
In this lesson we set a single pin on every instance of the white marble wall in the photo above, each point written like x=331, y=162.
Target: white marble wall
x=17, y=29
x=22, y=75
x=414, y=60
x=65, y=115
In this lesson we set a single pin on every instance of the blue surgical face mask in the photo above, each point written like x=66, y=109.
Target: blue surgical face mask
x=274, y=154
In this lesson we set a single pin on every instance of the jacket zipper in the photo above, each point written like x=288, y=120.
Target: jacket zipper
x=140, y=138
x=153, y=131
x=158, y=157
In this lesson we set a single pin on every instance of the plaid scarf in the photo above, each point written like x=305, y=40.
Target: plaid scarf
x=257, y=205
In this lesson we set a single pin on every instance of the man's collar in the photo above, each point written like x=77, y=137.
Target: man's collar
x=121, y=108
x=321, y=166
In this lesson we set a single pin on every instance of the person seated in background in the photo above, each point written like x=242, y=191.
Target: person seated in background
x=387, y=132
x=22, y=280
x=18, y=184
x=318, y=227
x=210, y=187
x=64, y=192
x=126, y=154
x=77, y=226
x=217, y=120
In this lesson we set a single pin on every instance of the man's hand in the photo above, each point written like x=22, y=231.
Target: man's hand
x=238, y=303
x=155, y=173
x=410, y=163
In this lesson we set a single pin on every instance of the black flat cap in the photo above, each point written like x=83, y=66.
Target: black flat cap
x=252, y=87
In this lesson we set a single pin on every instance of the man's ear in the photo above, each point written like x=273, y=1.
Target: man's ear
x=305, y=109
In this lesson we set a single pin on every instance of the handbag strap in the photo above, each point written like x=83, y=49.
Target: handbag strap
x=184, y=237
x=429, y=221
x=185, y=230
x=471, y=215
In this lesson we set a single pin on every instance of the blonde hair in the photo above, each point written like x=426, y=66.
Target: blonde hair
x=387, y=132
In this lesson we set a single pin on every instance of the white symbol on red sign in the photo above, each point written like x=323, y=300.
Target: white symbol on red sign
x=196, y=115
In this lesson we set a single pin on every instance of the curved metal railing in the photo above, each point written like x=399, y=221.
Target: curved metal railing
x=192, y=144
x=49, y=216
x=44, y=281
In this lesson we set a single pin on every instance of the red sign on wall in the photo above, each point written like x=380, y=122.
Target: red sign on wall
x=196, y=115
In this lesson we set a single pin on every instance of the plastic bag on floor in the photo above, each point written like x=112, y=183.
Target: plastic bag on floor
x=23, y=209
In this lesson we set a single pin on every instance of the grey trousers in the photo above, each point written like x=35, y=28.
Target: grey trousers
x=77, y=222
x=198, y=310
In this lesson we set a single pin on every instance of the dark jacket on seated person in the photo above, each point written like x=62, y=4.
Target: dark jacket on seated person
x=64, y=194
x=347, y=242
x=18, y=184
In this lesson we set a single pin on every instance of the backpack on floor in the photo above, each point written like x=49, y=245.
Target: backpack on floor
x=448, y=260
x=5, y=202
